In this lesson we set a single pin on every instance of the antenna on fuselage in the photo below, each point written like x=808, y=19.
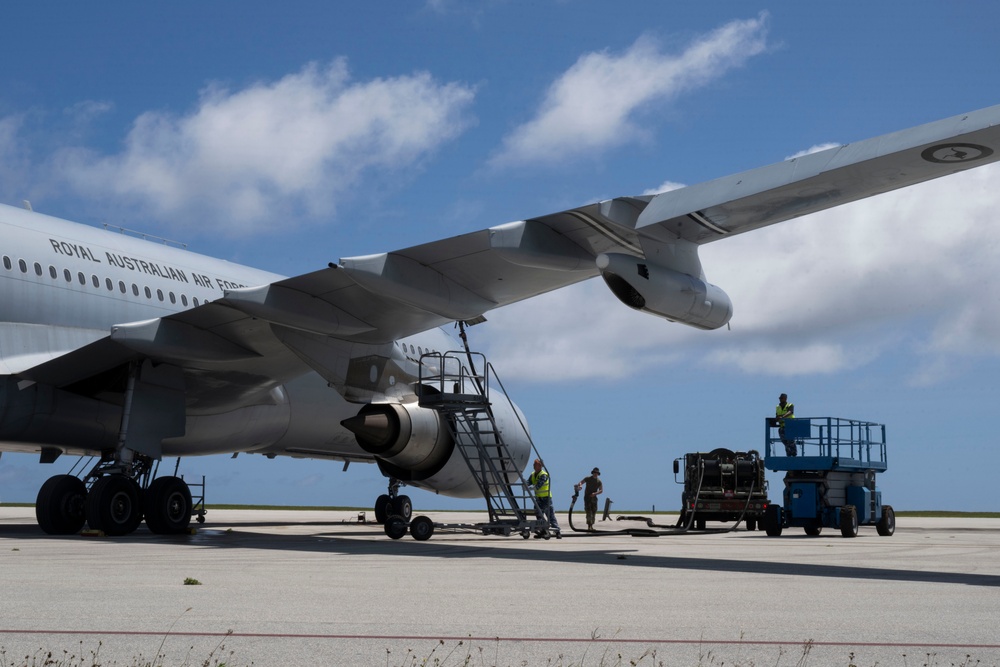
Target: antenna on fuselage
x=27, y=205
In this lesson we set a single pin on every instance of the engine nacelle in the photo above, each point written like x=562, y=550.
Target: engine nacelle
x=657, y=290
x=414, y=444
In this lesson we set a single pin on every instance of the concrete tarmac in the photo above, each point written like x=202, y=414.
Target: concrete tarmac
x=320, y=588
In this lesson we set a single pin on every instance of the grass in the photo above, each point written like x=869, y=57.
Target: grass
x=469, y=654
x=951, y=514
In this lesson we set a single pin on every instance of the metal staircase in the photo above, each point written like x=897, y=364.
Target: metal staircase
x=462, y=396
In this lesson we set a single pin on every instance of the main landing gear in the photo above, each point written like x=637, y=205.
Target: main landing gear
x=116, y=502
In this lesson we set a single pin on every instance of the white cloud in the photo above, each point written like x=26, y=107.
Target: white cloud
x=595, y=104
x=241, y=158
x=815, y=149
x=908, y=273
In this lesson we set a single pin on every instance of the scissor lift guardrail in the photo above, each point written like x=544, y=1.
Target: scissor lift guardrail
x=826, y=443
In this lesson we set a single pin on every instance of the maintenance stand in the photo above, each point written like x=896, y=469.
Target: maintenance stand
x=461, y=394
x=830, y=466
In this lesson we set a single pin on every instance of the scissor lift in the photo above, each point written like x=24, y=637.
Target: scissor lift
x=830, y=478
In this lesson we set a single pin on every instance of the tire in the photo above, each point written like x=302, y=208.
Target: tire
x=772, y=520
x=114, y=505
x=402, y=506
x=813, y=531
x=848, y=521
x=886, y=526
x=751, y=524
x=422, y=528
x=59, y=507
x=168, y=506
x=395, y=527
x=382, y=504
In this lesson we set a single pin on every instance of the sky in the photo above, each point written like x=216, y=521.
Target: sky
x=288, y=136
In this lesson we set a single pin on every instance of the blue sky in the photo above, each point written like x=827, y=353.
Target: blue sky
x=286, y=137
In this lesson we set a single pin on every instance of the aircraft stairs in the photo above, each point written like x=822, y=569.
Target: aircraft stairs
x=461, y=394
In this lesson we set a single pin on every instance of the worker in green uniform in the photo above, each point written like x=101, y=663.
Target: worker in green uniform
x=592, y=487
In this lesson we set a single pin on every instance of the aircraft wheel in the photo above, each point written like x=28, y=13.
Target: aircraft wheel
x=886, y=526
x=59, y=507
x=422, y=528
x=114, y=505
x=168, y=506
x=395, y=527
x=848, y=521
x=382, y=504
x=402, y=506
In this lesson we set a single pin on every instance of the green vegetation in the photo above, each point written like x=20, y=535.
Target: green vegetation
x=912, y=513
x=336, y=508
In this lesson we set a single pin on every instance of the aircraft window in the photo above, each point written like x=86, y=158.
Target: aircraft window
x=68, y=275
x=21, y=264
x=135, y=289
x=38, y=269
x=159, y=294
x=184, y=299
x=52, y=272
x=420, y=350
x=149, y=295
x=109, y=284
x=95, y=280
x=121, y=286
x=194, y=301
x=173, y=299
x=6, y=262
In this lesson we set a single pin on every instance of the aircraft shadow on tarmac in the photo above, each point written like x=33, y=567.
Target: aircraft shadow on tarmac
x=358, y=540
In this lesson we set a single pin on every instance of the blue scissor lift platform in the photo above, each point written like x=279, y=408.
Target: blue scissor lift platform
x=830, y=469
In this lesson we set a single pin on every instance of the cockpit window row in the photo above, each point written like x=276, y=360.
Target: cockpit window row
x=109, y=284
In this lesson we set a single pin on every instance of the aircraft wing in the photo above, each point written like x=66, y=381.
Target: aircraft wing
x=645, y=247
x=385, y=296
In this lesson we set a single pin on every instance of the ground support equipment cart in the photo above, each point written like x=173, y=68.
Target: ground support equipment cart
x=721, y=485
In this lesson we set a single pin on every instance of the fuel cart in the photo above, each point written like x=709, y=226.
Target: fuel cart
x=830, y=469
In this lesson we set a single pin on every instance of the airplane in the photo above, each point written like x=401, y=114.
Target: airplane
x=131, y=350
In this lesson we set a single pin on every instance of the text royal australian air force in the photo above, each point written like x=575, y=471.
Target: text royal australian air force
x=137, y=265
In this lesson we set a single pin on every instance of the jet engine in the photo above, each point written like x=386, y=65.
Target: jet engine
x=661, y=291
x=414, y=444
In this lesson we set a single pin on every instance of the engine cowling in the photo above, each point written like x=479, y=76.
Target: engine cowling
x=414, y=444
x=658, y=290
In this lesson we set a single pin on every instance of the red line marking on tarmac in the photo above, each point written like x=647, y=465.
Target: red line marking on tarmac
x=550, y=640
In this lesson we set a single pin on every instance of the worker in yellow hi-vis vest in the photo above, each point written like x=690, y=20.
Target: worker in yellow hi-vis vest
x=542, y=485
x=783, y=411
